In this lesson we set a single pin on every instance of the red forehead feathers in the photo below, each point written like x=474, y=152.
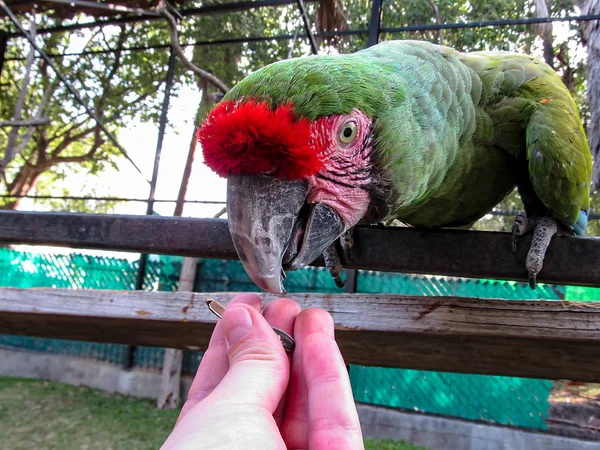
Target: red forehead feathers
x=252, y=138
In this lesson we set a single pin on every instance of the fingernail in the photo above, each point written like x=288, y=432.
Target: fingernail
x=238, y=324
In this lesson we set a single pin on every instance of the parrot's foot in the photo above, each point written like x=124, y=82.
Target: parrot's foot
x=522, y=226
x=347, y=242
x=332, y=257
x=334, y=265
x=544, y=230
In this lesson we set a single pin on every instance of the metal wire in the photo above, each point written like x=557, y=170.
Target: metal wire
x=241, y=40
x=104, y=6
x=107, y=199
x=500, y=213
x=491, y=23
x=207, y=10
x=281, y=37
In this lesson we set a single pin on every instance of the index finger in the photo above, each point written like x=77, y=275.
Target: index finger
x=332, y=417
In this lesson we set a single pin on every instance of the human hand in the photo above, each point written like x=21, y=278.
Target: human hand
x=249, y=394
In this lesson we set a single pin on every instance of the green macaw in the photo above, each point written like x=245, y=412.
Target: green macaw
x=404, y=130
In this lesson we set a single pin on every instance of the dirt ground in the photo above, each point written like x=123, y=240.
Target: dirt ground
x=575, y=410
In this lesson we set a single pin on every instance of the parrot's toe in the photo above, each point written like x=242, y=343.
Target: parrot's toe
x=514, y=238
x=334, y=265
x=521, y=226
x=347, y=242
x=339, y=282
x=544, y=230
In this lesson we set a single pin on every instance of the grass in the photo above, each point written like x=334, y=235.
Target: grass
x=43, y=415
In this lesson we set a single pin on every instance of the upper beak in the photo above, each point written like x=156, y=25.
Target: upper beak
x=271, y=226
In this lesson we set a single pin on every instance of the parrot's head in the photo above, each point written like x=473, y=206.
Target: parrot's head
x=298, y=150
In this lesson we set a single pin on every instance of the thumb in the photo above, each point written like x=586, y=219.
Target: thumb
x=258, y=366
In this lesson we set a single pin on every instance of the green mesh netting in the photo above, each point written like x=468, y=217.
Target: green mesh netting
x=514, y=401
x=506, y=400
x=76, y=271
x=511, y=401
x=582, y=294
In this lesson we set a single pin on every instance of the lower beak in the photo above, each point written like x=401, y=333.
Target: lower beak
x=272, y=228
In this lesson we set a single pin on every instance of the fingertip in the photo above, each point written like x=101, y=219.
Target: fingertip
x=313, y=320
x=285, y=305
x=281, y=313
x=332, y=414
x=258, y=365
x=247, y=298
x=237, y=323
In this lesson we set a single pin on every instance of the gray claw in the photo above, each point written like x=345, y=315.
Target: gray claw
x=521, y=226
x=334, y=265
x=532, y=280
x=514, y=238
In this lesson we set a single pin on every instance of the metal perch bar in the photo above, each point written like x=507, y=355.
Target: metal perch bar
x=476, y=254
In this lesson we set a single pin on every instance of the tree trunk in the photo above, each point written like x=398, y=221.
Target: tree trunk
x=22, y=184
x=438, y=21
x=591, y=35
x=544, y=30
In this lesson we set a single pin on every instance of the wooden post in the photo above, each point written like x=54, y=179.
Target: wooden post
x=170, y=384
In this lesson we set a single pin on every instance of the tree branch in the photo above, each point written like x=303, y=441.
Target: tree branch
x=79, y=158
x=438, y=20
x=24, y=123
x=67, y=130
x=162, y=9
x=42, y=107
x=114, y=68
x=11, y=150
x=544, y=30
x=68, y=140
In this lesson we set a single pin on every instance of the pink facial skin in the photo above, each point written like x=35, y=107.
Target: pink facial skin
x=341, y=184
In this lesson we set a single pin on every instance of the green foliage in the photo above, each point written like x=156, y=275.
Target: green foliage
x=128, y=85
x=231, y=62
x=118, y=86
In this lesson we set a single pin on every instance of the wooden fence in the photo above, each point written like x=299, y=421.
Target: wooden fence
x=545, y=339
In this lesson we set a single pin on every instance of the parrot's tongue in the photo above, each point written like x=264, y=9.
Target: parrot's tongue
x=273, y=229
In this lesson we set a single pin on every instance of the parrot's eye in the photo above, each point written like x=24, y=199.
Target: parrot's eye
x=348, y=132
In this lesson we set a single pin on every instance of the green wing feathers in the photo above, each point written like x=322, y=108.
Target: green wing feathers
x=560, y=164
x=532, y=111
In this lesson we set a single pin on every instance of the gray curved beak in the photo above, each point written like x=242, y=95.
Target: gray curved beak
x=273, y=228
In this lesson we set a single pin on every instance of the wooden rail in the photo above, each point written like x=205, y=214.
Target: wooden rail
x=478, y=254
x=542, y=339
